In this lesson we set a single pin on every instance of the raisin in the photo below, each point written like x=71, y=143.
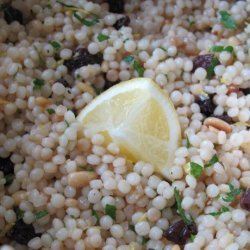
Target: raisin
x=179, y=232
x=245, y=200
x=22, y=233
x=245, y=91
x=12, y=14
x=6, y=166
x=206, y=105
x=224, y=117
x=116, y=6
x=203, y=61
x=123, y=21
x=82, y=58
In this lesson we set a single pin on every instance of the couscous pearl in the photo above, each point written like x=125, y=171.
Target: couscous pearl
x=142, y=228
x=117, y=231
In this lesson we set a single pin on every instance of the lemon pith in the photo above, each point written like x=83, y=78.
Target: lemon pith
x=140, y=118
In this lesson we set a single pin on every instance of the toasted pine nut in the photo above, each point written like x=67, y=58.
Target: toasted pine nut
x=245, y=182
x=19, y=196
x=84, y=87
x=218, y=123
x=69, y=202
x=42, y=101
x=3, y=102
x=176, y=247
x=81, y=178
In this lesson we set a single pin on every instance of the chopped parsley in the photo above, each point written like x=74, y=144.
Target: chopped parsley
x=41, y=214
x=19, y=213
x=84, y=21
x=131, y=227
x=65, y=5
x=227, y=20
x=38, y=83
x=210, y=69
x=95, y=214
x=192, y=238
x=9, y=178
x=212, y=161
x=230, y=196
x=144, y=240
x=180, y=210
x=51, y=111
x=111, y=211
x=219, y=48
x=128, y=59
x=56, y=45
x=221, y=211
x=101, y=37
x=163, y=49
x=195, y=169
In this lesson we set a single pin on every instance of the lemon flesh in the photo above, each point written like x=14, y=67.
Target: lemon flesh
x=139, y=117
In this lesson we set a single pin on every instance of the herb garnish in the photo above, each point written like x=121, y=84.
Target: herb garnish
x=210, y=69
x=180, y=210
x=188, y=143
x=192, y=237
x=144, y=240
x=41, y=214
x=85, y=21
x=95, y=214
x=38, y=83
x=19, y=213
x=56, y=45
x=101, y=37
x=163, y=49
x=135, y=64
x=212, y=161
x=111, y=211
x=195, y=169
x=40, y=59
x=230, y=196
x=221, y=211
x=51, y=111
x=219, y=48
x=9, y=179
x=227, y=20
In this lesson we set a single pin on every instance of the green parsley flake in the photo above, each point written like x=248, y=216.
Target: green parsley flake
x=144, y=240
x=19, y=213
x=195, y=169
x=111, y=211
x=163, y=49
x=102, y=37
x=219, y=48
x=128, y=59
x=56, y=45
x=51, y=111
x=212, y=161
x=85, y=21
x=40, y=214
x=138, y=67
x=192, y=238
x=210, y=69
x=38, y=83
x=180, y=210
x=227, y=20
x=188, y=143
x=9, y=178
x=230, y=196
x=95, y=214
x=221, y=211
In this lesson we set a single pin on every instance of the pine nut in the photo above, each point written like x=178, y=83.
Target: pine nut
x=19, y=196
x=218, y=124
x=42, y=101
x=81, y=178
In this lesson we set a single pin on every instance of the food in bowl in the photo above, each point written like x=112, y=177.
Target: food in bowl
x=159, y=161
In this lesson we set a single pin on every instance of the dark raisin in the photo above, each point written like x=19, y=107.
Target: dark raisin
x=22, y=233
x=179, y=232
x=108, y=83
x=245, y=200
x=116, y=6
x=224, y=117
x=12, y=14
x=82, y=58
x=123, y=21
x=206, y=105
x=203, y=61
x=6, y=166
x=245, y=91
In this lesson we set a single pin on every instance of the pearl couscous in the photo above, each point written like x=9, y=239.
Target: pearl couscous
x=62, y=187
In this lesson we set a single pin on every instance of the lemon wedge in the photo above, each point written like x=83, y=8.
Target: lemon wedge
x=139, y=117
